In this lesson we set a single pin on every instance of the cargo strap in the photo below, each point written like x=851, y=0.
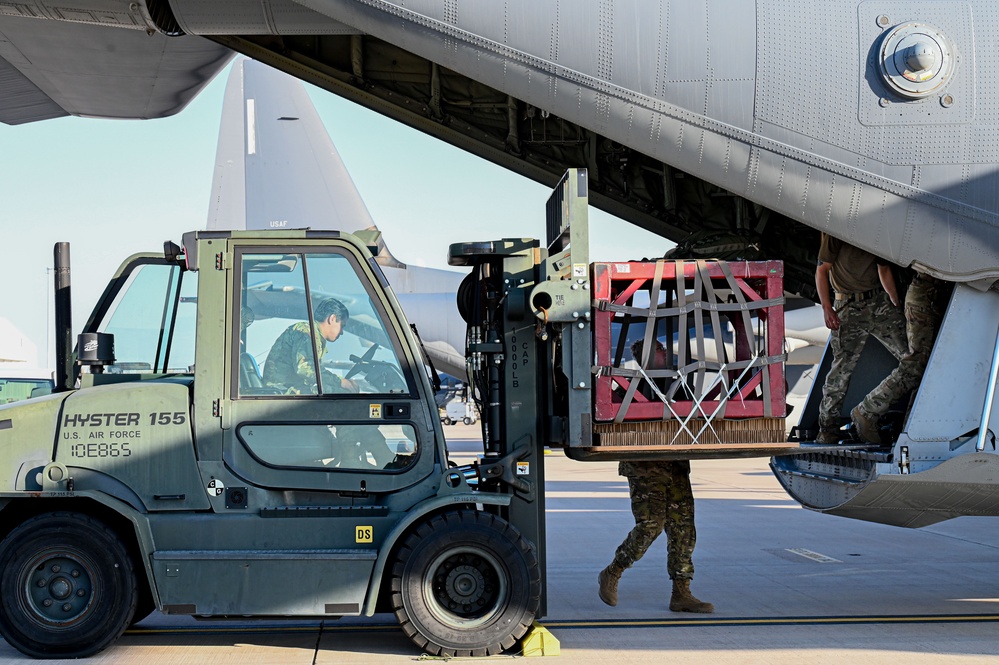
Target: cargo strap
x=748, y=327
x=607, y=306
x=688, y=369
x=648, y=350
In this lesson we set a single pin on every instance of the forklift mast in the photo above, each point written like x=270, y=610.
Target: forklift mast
x=528, y=315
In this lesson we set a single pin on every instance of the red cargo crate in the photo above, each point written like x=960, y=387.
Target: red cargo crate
x=722, y=323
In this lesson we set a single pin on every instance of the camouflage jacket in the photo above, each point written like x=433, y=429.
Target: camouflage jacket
x=290, y=362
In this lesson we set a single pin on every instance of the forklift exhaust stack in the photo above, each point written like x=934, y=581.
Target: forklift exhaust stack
x=64, y=376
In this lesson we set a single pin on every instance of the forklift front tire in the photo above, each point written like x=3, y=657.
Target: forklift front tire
x=466, y=584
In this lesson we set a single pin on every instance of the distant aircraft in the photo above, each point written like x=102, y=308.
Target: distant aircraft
x=277, y=168
x=19, y=377
x=689, y=122
x=15, y=348
x=869, y=121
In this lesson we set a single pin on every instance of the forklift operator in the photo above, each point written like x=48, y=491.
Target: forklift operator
x=290, y=363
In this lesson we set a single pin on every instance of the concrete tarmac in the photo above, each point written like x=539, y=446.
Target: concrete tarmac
x=789, y=586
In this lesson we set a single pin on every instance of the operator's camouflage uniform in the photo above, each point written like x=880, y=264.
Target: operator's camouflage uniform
x=661, y=500
x=290, y=362
x=925, y=302
x=858, y=318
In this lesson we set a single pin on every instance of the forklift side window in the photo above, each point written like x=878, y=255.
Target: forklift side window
x=328, y=447
x=274, y=316
x=283, y=341
x=153, y=321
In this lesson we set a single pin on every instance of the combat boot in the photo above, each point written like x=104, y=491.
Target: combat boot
x=608, y=579
x=865, y=425
x=684, y=601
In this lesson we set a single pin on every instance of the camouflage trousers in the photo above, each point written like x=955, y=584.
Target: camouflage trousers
x=662, y=502
x=925, y=303
x=857, y=319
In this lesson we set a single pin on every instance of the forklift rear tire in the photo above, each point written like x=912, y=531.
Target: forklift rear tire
x=466, y=584
x=67, y=586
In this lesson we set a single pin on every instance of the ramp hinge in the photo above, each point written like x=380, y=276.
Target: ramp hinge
x=220, y=262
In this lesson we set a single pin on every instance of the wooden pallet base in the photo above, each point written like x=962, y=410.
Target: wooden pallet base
x=722, y=433
x=659, y=440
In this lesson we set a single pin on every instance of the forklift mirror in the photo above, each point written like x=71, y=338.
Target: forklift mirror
x=171, y=252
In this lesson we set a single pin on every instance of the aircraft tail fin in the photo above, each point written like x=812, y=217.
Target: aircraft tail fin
x=276, y=166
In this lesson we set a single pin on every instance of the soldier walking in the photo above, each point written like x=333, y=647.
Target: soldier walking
x=661, y=501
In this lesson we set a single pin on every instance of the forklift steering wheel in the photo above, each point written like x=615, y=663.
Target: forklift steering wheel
x=359, y=363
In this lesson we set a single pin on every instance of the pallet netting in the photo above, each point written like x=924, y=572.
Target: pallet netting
x=717, y=328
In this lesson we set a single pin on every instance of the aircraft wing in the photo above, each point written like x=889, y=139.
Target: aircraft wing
x=710, y=116
x=707, y=121
x=50, y=69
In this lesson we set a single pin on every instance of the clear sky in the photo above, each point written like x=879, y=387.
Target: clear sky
x=116, y=187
